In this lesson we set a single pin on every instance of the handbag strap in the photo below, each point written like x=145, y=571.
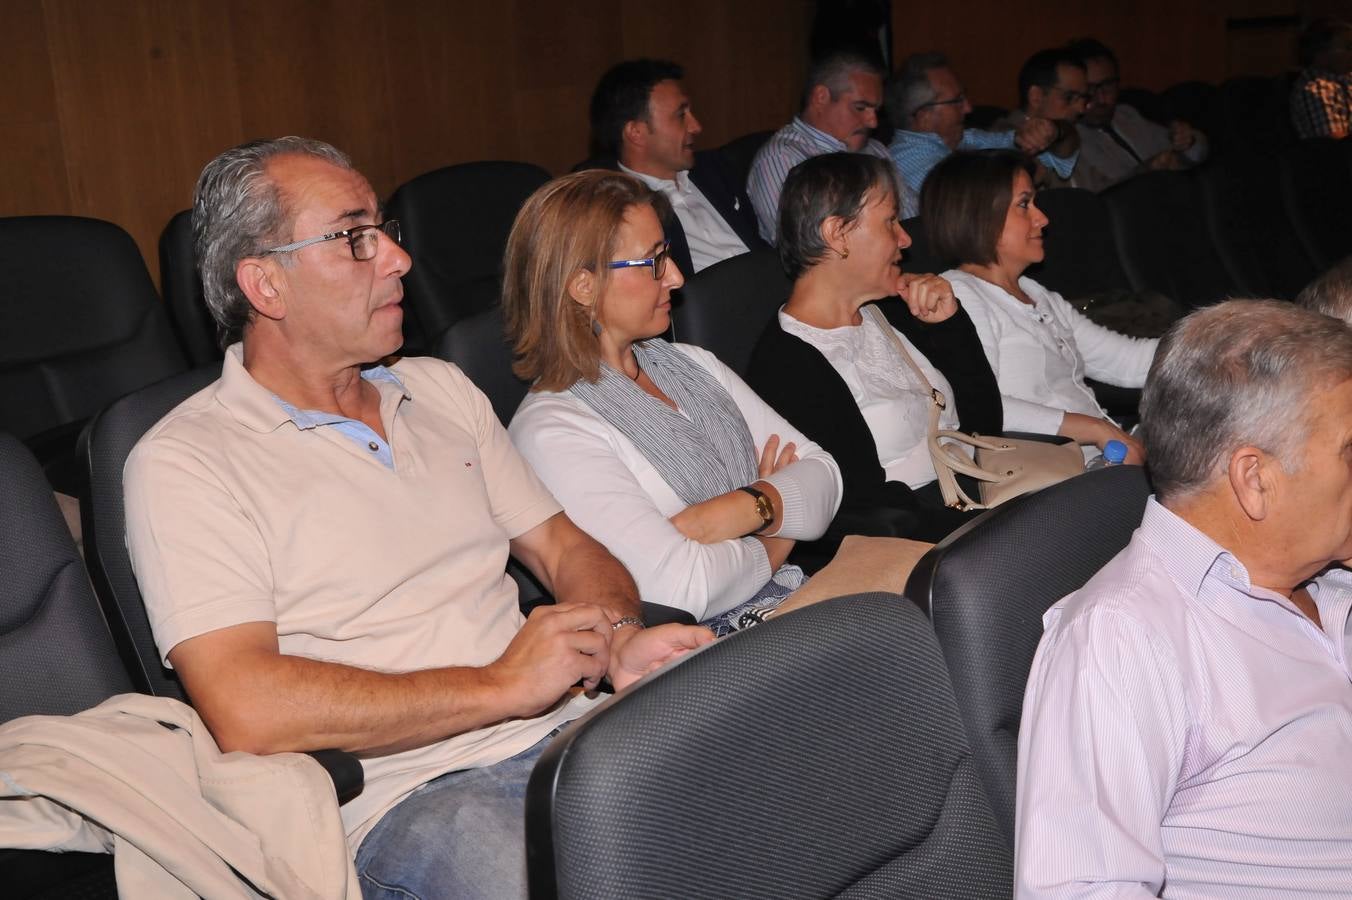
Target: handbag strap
x=876, y=314
x=945, y=460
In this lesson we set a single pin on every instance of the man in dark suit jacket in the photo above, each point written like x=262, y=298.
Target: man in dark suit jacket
x=642, y=123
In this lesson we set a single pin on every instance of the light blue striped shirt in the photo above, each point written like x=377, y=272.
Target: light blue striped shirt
x=785, y=149
x=1187, y=731
x=917, y=152
x=358, y=432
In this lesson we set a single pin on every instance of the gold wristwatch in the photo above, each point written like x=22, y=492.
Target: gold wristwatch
x=764, y=508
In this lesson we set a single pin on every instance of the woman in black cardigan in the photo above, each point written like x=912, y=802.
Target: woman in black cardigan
x=832, y=372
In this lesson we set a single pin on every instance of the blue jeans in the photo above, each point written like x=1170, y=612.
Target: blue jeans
x=462, y=834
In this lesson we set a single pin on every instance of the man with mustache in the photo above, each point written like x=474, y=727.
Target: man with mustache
x=839, y=112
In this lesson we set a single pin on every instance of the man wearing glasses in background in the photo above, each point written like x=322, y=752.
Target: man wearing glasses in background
x=927, y=104
x=1116, y=141
x=1052, y=86
x=321, y=540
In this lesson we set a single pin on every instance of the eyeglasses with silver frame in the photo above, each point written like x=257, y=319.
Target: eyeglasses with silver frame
x=363, y=240
x=658, y=262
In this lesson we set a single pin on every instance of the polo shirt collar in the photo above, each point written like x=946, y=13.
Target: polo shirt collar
x=258, y=409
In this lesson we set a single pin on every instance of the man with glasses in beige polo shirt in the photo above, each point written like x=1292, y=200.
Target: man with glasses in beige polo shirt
x=321, y=542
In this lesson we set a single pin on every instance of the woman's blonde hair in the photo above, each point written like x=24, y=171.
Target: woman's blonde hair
x=568, y=225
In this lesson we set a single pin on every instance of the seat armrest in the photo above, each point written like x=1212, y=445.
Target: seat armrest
x=345, y=770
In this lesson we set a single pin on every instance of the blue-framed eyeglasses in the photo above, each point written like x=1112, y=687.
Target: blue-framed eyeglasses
x=363, y=239
x=658, y=262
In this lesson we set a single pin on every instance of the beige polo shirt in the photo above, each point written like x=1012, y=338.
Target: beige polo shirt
x=235, y=514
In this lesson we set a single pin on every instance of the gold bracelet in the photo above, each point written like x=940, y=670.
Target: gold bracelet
x=627, y=620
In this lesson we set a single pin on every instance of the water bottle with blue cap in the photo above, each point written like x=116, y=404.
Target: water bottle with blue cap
x=1114, y=454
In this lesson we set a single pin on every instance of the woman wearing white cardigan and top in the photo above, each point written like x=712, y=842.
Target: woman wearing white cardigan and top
x=658, y=450
x=979, y=209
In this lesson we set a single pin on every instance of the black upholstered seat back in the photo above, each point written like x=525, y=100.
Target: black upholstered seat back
x=725, y=307
x=55, y=650
x=987, y=585
x=817, y=755
x=56, y=655
x=455, y=222
x=105, y=445
x=182, y=289
x=1316, y=179
x=80, y=323
x=1081, y=255
x=478, y=346
x=1248, y=223
x=1163, y=241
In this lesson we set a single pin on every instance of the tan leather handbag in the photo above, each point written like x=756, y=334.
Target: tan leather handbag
x=1005, y=467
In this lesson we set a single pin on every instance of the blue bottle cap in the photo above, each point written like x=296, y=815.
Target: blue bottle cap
x=1114, y=452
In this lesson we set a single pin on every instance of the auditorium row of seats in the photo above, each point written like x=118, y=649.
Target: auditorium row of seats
x=867, y=739
x=744, y=770
x=83, y=323
x=1246, y=114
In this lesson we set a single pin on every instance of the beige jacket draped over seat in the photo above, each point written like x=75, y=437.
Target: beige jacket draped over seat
x=141, y=777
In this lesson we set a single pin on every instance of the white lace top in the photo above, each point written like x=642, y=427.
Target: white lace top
x=894, y=405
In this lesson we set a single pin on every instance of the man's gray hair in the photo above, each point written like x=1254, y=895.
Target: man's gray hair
x=834, y=70
x=237, y=212
x=1241, y=373
x=1331, y=293
x=909, y=88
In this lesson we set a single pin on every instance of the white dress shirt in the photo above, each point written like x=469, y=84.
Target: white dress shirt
x=1187, y=734
x=709, y=235
x=1040, y=354
x=608, y=487
x=895, y=406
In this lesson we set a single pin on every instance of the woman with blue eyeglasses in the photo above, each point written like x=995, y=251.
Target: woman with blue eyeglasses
x=657, y=450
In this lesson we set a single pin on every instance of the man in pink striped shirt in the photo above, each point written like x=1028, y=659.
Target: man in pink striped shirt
x=1187, y=727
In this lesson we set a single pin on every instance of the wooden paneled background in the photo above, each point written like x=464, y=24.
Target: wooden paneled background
x=113, y=107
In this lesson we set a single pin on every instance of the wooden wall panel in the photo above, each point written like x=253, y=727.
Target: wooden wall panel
x=453, y=87
x=117, y=106
x=112, y=108
x=988, y=40
x=32, y=170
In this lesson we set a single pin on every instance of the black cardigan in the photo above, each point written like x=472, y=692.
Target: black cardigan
x=798, y=382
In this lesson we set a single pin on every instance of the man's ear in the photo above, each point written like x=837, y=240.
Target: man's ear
x=819, y=96
x=259, y=280
x=635, y=133
x=1252, y=479
x=582, y=287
